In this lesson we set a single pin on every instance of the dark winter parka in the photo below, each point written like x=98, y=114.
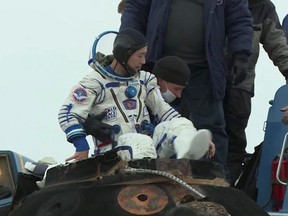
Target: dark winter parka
x=267, y=31
x=223, y=19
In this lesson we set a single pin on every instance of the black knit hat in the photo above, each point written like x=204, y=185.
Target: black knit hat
x=172, y=69
x=126, y=43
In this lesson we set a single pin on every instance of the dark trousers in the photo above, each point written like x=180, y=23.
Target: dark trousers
x=206, y=112
x=237, y=109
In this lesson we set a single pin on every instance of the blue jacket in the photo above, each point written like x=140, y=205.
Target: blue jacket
x=223, y=19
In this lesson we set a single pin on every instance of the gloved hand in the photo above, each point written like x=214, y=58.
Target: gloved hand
x=239, y=69
x=95, y=127
x=285, y=116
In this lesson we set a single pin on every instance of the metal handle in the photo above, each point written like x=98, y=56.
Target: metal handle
x=279, y=166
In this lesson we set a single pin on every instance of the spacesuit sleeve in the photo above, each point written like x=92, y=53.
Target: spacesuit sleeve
x=156, y=103
x=77, y=106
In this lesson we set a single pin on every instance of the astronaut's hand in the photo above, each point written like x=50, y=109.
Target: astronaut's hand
x=78, y=156
x=239, y=69
x=285, y=116
x=95, y=127
x=212, y=149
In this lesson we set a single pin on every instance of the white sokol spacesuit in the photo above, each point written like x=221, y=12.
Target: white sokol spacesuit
x=125, y=102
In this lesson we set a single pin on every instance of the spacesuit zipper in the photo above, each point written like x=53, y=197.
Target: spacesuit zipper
x=140, y=103
x=118, y=105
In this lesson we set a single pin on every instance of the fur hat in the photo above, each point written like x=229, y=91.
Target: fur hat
x=121, y=6
x=172, y=69
x=126, y=43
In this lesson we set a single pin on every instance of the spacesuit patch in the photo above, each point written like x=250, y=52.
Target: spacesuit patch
x=130, y=104
x=111, y=113
x=80, y=95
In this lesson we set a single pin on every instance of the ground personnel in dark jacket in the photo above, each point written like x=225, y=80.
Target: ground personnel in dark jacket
x=197, y=31
x=237, y=103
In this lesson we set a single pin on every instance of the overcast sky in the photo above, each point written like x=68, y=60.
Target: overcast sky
x=44, y=49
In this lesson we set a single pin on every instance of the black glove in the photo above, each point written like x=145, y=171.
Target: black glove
x=95, y=127
x=239, y=69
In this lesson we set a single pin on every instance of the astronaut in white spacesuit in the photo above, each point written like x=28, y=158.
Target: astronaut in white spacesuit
x=116, y=95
